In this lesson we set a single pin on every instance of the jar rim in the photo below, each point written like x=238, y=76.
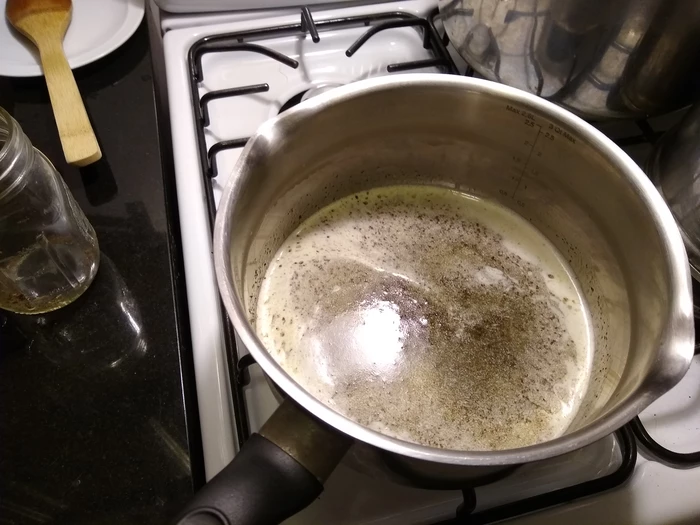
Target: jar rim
x=16, y=154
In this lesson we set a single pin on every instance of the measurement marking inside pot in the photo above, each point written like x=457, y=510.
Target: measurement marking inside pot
x=527, y=161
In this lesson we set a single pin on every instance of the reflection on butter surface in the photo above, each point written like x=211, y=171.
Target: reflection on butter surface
x=431, y=316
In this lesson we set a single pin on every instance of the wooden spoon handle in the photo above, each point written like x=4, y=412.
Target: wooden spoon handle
x=79, y=143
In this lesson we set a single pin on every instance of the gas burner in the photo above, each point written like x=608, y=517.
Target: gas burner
x=309, y=93
x=321, y=88
x=296, y=99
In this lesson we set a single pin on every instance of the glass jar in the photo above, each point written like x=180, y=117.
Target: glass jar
x=48, y=249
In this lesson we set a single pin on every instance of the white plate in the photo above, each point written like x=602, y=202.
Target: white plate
x=97, y=28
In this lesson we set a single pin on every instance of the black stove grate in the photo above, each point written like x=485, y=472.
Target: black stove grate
x=436, y=42
x=231, y=42
x=669, y=457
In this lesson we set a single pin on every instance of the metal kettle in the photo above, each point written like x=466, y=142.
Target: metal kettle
x=674, y=167
x=598, y=58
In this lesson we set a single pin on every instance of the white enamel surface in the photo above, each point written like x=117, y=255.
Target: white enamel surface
x=199, y=6
x=97, y=28
x=170, y=21
x=210, y=366
x=656, y=494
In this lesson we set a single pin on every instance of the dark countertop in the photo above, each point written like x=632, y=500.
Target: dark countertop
x=93, y=419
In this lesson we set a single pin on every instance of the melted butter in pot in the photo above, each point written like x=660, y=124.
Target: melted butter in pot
x=431, y=316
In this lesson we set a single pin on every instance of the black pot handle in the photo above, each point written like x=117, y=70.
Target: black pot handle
x=263, y=485
x=276, y=474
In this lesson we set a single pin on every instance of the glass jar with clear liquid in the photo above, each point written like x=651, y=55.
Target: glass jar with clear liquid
x=48, y=249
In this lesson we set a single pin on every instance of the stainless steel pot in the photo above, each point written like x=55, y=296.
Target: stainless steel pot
x=598, y=58
x=565, y=177
x=675, y=169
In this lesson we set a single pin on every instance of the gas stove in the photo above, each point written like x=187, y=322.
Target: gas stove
x=227, y=74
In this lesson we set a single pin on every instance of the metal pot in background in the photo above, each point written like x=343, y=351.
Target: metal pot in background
x=565, y=177
x=598, y=58
x=675, y=169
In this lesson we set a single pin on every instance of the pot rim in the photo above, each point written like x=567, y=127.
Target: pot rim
x=676, y=343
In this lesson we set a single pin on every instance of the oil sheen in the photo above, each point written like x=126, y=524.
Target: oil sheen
x=431, y=316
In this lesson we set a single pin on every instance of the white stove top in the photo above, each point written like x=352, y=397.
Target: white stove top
x=656, y=493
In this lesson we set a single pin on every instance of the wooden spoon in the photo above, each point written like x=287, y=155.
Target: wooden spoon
x=45, y=22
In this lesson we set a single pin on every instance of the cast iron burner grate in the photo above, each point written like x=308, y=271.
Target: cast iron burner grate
x=434, y=41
